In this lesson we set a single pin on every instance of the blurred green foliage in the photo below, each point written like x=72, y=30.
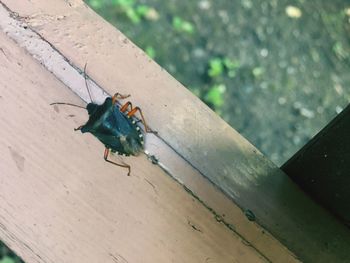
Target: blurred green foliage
x=276, y=60
x=216, y=67
x=232, y=66
x=7, y=260
x=181, y=25
x=219, y=66
x=215, y=96
x=150, y=51
x=129, y=8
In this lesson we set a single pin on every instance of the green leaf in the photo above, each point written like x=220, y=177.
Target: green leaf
x=142, y=10
x=215, y=95
x=133, y=16
x=187, y=27
x=177, y=22
x=182, y=26
x=231, y=64
x=150, y=51
x=216, y=67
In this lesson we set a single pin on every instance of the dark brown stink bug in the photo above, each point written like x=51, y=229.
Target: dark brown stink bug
x=114, y=126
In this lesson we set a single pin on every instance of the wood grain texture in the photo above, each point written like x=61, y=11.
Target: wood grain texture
x=60, y=202
x=211, y=197
x=209, y=145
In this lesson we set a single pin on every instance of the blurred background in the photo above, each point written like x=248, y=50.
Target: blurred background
x=276, y=71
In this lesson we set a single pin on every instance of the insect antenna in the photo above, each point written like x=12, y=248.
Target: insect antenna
x=74, y=105
x=66, y=103
x=86, y=85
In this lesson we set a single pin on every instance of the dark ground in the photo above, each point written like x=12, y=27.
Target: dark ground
x=275, y=73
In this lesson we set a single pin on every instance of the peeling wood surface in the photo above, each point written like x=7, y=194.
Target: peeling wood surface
x=210, y=147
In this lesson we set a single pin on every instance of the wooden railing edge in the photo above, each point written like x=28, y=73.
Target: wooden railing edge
x=209, y=145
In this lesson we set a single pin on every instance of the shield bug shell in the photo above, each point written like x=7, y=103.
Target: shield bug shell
x=116, y=130
x=114, y=126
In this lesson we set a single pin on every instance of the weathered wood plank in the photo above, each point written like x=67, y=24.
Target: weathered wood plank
x=225, y=211
x=60, y=202
x=197, y=134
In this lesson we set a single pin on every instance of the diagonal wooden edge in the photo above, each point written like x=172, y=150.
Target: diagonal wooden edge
x=60, y=202
x=189, y=130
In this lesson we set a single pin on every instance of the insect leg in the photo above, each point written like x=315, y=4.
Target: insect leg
x=118, y=96
x=118, y=164
x=126, y=106
x=132, y=113
x=79, y=128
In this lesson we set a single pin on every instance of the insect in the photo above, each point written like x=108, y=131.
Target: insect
x=114, y=126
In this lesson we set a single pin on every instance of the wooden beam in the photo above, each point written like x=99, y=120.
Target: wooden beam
x=69, y=214
x=61, y=202
x=138, y=219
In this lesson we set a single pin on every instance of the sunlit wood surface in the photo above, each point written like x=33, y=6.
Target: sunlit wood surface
x=60, y=202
